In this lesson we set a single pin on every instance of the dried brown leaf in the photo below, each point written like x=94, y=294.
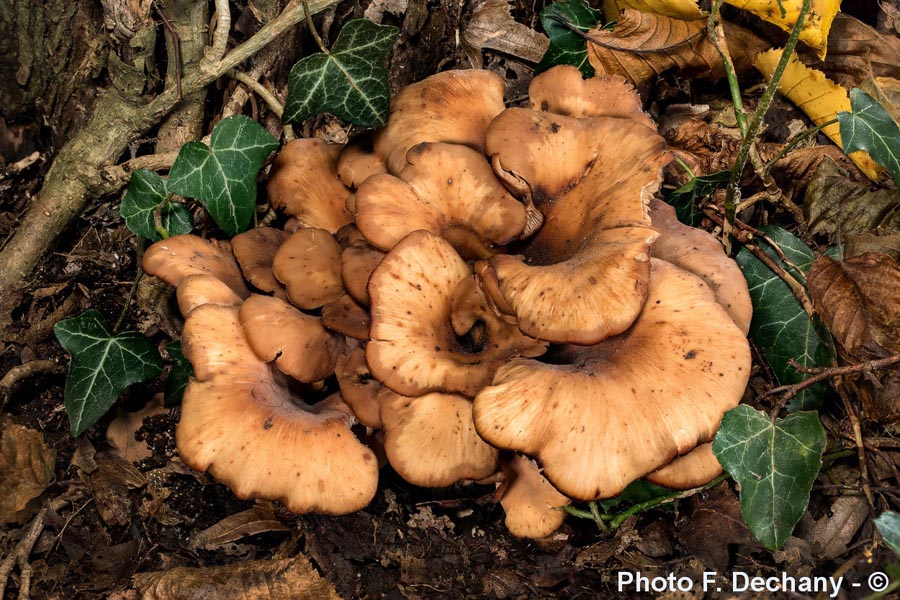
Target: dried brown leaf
x=832, y=533
x=836, y=206
x=643, y=45
x=711, y=522
x=26, y=468
x=857, y=301
x=110, y=484
x=292, y=578
x=259, y=519
x=857, y=51
x=492, y=27
x=120, y=433
x=884, y=242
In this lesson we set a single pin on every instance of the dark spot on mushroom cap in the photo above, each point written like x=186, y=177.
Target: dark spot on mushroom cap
x=690, y=354
x=268, y=423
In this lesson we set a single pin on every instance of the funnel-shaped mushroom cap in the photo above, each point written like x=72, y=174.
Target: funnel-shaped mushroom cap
x=197, y=290
x=254, y=250
x=583, y=277
x=358, y=162
x=243, y=426
x=298, y=343
x=431, y=440
x=175, y=258
x=453, y=107
x=701, y=253
x=562, y=90
x=697, y=467
x=358, y=388
x=602, y=416
x=304, y=183
x=309, y=265
x=532, y=505
x=413, y=348
x=447, y=189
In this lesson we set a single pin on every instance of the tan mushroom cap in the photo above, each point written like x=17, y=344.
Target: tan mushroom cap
x=413, y=348
x=453, y=107
x=431, y=440
x=562, y=90
x=304, y=183
x=358, y=162
x=358, y=388
x=254, y=250
x=197, y=290
x=532, y=505
x=298, y=343
x=583, y=277
x=701, y=253
x=447, y=189
x=309, y=265
x=176, y=257
x=347, y=317
x=602, y=416
x=358, y=260
x=697, y=467
x=242, y=425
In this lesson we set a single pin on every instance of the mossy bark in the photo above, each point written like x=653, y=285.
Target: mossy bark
x=119, y=116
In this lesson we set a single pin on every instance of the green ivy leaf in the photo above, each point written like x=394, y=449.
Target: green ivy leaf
x=637, y=492
x=179, y=375
x=870, y=127
x=685, y=199
x=775, y=463
x=350, y=81
x=146, y=194
x=780, y=327
x=103, y=365
x=561, y=20
x=223, y=176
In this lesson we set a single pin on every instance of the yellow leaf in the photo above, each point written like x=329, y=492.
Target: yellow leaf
x=817, y=96
x=686, y=10
x=815, y=26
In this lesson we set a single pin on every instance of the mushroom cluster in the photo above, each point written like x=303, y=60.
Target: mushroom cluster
x=478, y=290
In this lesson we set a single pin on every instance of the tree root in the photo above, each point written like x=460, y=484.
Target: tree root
x=77, y=174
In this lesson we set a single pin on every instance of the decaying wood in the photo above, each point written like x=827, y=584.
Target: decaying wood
x=77, y=173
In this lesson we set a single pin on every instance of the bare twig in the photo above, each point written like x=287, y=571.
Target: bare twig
x=176, y=50
x=860, y=443
x=77, y=172
x=19, y=556
x=260, y=90
x=25, y=370
x=223, y=29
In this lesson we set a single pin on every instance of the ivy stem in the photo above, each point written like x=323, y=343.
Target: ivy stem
x=732, y=191
x=716, y=34
x=598, y=518
x=313, y=31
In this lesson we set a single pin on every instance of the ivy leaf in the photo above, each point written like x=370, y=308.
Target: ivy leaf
x=561, y=20
x=888, y=523
x=223, y=176
x=103, y=365
x=146, y=194
x=350, y=81
x=775, y=463
x=685, y=198
x=780, y=327
x=870, y=127
x=179, y=375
